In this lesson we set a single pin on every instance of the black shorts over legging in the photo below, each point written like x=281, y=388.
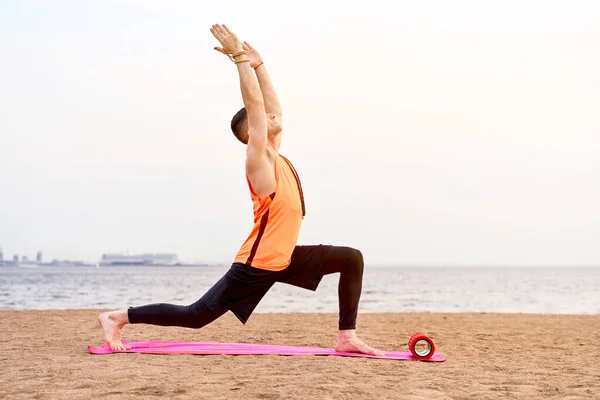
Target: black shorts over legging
x=242, y=288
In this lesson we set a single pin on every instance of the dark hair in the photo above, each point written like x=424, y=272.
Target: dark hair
x=239, y=125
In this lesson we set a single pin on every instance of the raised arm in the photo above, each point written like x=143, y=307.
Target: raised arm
x=251, y=96
x=272, y=104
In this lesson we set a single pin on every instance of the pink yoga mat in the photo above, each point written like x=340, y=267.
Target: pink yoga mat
x=206, y=348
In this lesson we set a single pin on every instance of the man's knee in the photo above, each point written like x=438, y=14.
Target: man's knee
x=355, y=260
x=197, y=314
x=357, y=256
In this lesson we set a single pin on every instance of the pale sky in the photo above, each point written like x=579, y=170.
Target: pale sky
x=424, y=133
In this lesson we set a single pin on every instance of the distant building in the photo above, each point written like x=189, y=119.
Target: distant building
x=38, y=257
x=16, y=258
x=1, y=255
x=139, y=259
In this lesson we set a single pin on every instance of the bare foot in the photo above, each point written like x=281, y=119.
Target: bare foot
x=348, y=342
x=111, y=323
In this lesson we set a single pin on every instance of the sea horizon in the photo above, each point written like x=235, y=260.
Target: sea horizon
x=367, y=265
x=552, y=290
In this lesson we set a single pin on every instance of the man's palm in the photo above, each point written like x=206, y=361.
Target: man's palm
x=253, y=55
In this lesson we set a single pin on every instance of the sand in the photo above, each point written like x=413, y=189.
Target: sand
x=489, y=356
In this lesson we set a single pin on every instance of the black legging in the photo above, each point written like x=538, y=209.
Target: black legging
x=349, y=263
x=345, y=260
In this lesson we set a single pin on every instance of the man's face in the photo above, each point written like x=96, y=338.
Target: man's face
x=273, y=124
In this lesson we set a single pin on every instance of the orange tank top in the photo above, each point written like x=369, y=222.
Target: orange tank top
x=277, y=220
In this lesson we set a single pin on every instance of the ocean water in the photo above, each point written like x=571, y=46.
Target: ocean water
x=554, y=290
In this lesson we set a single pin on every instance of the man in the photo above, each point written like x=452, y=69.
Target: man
x=270, y=253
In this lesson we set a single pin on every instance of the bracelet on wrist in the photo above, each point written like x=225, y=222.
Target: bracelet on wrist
x=236, y=54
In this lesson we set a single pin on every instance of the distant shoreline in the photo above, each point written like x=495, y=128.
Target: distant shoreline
x=26, y=266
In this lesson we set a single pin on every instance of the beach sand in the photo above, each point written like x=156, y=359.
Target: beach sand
x=489, y=356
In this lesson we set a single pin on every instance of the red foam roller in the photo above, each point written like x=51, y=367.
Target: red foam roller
x=421, y=337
